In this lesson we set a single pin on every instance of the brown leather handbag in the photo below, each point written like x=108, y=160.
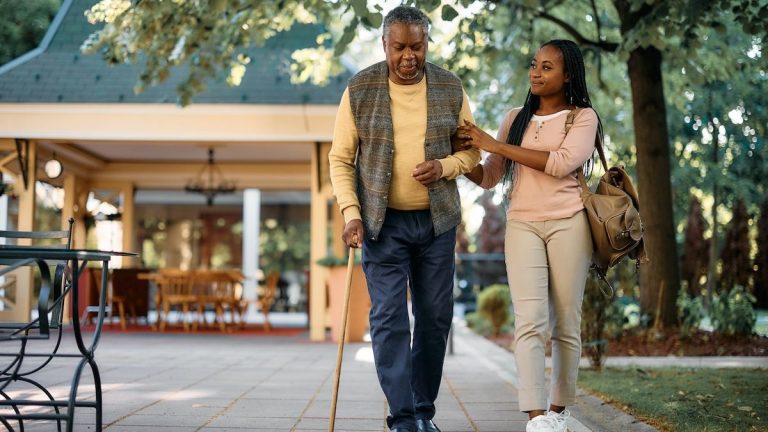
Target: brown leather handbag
x=613, y=211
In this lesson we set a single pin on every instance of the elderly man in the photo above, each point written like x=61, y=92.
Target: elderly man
x=393, y=172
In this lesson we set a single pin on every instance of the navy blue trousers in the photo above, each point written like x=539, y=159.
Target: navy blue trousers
x=408, y=254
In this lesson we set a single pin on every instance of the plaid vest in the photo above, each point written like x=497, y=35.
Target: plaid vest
x=369, y=98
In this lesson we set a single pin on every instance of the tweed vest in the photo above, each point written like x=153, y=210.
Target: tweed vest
x=369, y=99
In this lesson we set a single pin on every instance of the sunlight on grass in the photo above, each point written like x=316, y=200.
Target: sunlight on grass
x=761, y=326
x=686, y=400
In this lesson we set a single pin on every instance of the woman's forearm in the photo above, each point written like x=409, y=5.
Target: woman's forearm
x=535, y=159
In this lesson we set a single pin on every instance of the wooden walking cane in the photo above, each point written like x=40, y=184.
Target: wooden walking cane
x=343, y=336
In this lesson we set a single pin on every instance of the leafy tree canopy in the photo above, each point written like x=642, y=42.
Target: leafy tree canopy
x=709, y=54
x=23, y=24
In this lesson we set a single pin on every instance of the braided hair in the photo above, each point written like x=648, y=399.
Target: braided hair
x=576, y=94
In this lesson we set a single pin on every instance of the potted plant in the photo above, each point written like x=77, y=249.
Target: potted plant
x=359, y=301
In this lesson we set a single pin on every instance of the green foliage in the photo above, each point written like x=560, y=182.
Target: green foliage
x=690, y=311
x=493, y=305
x=733, y=312
x=23, y=24
x=623, y=314
x=686, y=400
x=761, y=258
x=478, y=323
x=714, y=70
x=284, y=246
x=209, y=37
x=594, y=316
x=335, y=261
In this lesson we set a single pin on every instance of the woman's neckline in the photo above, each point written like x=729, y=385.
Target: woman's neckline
x=549, y=116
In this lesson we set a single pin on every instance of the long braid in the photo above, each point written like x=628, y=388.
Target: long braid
x=576, y=94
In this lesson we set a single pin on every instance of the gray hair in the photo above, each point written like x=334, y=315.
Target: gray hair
x=406, y=15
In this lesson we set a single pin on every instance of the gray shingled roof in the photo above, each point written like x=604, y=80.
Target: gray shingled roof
x=62, y=74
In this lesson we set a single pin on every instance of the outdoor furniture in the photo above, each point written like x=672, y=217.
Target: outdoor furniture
x=221, y=290
x=174, y=289
x=129, y=294
x=267, y=297
x=34, y=346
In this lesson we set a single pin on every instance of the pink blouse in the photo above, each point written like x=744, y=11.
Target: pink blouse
x=554, y=193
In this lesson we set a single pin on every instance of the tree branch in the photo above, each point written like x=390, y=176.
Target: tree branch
x=598, y=53
x=580, y=39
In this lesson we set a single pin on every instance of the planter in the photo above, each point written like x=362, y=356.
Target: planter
x=359, y=303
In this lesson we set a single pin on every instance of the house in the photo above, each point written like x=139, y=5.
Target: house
x=137, y=153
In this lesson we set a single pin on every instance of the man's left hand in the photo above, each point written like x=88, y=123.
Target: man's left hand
x=428, y=172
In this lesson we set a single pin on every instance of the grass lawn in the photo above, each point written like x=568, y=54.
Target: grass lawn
x=761, y=326
x=680, y=400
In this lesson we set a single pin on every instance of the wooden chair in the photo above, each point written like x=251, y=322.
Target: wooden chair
x=267, y=296
x=218, y=289
x=174, y=290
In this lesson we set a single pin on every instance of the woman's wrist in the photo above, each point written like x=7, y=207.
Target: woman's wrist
x=495, y=146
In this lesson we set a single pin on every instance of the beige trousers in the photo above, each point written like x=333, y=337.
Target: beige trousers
x=547, y=265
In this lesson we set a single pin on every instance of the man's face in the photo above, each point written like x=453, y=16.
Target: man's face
x=406, y=48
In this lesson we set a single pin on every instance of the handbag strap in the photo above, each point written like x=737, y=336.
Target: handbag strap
x=569, y=122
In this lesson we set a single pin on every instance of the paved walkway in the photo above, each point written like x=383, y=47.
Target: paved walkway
x=179, y=382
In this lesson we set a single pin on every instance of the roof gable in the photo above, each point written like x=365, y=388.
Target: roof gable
x=59, y=72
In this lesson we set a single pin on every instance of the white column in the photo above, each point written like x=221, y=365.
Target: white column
x=251, y=221
x=3, y=214
x=3, y=226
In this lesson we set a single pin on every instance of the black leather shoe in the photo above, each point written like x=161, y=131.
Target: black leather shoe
x=423, y=425
x=397, y=429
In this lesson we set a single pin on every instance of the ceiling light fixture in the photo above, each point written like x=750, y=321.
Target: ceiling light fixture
x=53, y=167
x=210, y=181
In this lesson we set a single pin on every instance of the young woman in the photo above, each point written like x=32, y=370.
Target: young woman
x=548, y=246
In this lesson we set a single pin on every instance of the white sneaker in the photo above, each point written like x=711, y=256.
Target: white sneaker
x=561, y=419
x=542, y=423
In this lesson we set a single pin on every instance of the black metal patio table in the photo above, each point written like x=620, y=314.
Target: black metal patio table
x=59, y=410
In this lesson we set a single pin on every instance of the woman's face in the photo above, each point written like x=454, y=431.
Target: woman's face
x=547, y=72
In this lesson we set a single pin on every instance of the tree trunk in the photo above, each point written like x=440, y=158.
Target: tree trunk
x=659, y=279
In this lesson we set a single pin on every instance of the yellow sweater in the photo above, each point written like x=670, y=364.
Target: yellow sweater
x=409, y=123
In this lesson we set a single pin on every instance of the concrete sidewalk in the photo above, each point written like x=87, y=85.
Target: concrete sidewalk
x=186, y=382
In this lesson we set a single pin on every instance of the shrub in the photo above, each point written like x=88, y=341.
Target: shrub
x=595, y=308
x=476, y=322
x=690, y=312
x=733, y=312
x=493, y=305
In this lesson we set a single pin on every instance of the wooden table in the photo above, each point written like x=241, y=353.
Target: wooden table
x=193, y=291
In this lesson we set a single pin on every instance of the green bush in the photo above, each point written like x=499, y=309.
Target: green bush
x=690, y=312
x=733, y=312
x=596, y=307
x=493, y=305
x=476, y=322
x=622, y=313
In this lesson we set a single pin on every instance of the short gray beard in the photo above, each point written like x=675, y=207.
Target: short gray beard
x=405, y=77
